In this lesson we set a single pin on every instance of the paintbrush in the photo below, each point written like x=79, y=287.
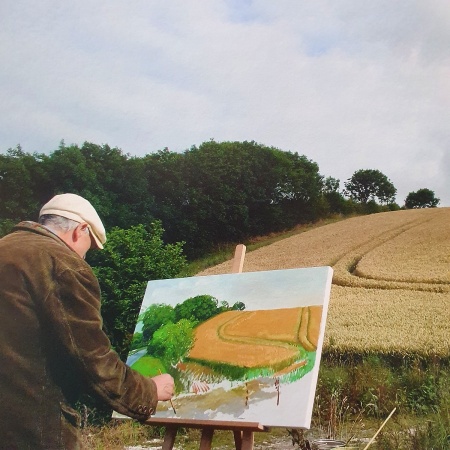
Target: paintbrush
x=170, y=400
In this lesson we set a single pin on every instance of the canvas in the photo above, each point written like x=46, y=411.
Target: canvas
x=241, y=347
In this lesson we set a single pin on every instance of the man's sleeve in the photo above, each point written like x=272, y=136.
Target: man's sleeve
x=73, y=308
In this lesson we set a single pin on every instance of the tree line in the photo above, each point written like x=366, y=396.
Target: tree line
x=215, y=193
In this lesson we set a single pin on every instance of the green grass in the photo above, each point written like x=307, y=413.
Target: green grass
x=149, y=366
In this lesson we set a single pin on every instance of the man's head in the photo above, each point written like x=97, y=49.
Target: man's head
x=75, y=221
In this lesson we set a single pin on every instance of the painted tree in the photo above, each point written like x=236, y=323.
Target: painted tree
x=197, y=309
x=172, y=342
x=155, y=317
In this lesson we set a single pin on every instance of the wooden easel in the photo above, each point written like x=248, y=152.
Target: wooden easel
x=243, y=432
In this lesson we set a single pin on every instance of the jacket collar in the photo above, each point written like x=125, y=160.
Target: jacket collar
x=37, y=228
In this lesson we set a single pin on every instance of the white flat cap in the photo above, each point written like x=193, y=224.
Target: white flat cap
x=74, y=207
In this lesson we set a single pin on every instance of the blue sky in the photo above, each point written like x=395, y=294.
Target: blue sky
x=350, y=84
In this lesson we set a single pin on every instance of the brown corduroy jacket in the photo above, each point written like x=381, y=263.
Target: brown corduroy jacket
x=52, y=346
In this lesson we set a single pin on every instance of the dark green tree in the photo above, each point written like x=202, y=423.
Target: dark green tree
x=226, y=192
x=331, y=184
x=129, y=260
x=299, y=188
x=112, y=181
x=167, y=186
x=21, y=182
x=423, y=198
x=69, y=171
x=335, y=201
x=367, y=184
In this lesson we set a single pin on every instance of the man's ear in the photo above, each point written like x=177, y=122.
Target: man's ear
x=75, y=235
x=78, y=232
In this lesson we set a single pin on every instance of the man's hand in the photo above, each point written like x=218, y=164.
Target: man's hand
x=165, y=386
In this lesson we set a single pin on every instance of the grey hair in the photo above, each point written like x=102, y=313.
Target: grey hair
x=57, y=223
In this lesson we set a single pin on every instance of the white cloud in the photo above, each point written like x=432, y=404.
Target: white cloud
x=349, y=84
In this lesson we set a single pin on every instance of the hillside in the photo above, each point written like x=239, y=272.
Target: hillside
x=391, y=283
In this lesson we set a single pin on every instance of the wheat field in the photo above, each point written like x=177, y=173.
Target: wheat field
x=391, y=281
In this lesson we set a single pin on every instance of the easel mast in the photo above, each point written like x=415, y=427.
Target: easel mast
x=243, y=432
x=238, y=261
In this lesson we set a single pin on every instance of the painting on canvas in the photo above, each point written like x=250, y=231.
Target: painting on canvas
x=241, y=347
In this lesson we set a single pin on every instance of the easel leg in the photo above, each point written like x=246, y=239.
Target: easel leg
x=238, y=439
x=244, y=440
x=169, y=438
x=206, y=440
x=248, y=439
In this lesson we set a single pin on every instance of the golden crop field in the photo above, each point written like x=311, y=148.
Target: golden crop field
x=209, y=346
x=257, y=338
x=391, y=281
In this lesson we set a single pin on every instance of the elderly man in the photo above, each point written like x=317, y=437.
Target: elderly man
x=52, y=346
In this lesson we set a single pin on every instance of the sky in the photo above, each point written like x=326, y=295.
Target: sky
x=351, y=84
x=258, y=290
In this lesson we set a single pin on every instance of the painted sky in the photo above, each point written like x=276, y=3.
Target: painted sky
x=258, y=290
x=350, y=84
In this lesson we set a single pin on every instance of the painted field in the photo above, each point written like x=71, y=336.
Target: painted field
x=265, y=338
x=391, y=282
